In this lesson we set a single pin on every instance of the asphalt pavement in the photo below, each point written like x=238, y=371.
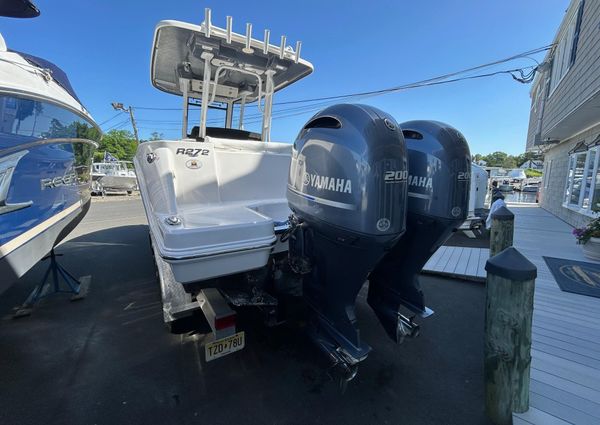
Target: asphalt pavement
x=109, y=359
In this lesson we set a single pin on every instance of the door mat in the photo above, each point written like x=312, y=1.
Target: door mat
x=577, y=277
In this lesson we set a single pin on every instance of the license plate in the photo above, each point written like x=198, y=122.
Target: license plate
x=222, y=347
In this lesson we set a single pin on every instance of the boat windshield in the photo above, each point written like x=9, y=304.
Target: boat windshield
x=23, y=118
x=113, y=167
x=498, y=172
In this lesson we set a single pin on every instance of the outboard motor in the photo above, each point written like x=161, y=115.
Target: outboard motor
x=438, y=202
x=347, y=189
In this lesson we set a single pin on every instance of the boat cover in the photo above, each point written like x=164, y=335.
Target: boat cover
x=58, y=75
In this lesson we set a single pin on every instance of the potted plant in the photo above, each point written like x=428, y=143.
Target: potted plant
x=589, y=238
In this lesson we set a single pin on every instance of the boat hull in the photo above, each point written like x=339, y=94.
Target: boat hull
x=47, y=192
x=203, y=268
x=214, y=214
x=117, y=183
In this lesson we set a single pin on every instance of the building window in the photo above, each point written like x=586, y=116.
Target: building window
x=582, y=190
x=587, y=180
x=566, y=50
x=577, y=178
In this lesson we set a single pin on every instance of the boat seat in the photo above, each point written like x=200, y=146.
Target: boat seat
x=226, y=227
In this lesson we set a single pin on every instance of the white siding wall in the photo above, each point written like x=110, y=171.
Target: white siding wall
x=583, y=79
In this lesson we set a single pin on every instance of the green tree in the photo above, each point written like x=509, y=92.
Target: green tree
x=120, y=143
x=509, y=162
x=155, y=135
x=526, y=157
x=495, y=159
x=504, y=160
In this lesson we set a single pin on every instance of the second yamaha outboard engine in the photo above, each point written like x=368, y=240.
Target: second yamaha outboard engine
x=347, y=190
x=438, y=202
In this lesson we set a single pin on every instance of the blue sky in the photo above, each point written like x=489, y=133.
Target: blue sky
x=104, y=46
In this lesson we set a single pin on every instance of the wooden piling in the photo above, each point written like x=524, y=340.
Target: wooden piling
x=501, y=233
x=508, y=317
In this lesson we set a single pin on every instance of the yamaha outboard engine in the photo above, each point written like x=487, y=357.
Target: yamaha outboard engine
x=347, y=189
x=438, y=202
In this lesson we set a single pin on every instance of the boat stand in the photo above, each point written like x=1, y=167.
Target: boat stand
x=78, y=288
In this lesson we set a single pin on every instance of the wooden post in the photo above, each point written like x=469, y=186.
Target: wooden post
x=507, y=352
x=501, y=234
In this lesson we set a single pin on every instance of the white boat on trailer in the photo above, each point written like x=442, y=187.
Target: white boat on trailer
x=215, y=198
x=113, y=176
x=239, y=220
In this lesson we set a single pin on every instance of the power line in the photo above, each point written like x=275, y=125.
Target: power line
x=429, y=80
x=118, y=125
x=407, y=87
x=110, y=119
x=301, y=110
x=118, y=106
x=521, y=55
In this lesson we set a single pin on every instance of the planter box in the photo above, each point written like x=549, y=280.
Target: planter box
x=591, y=249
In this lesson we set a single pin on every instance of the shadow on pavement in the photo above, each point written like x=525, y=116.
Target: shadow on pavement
x=109, y=359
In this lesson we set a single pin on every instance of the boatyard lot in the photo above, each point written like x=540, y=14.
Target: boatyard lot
x=109, y=359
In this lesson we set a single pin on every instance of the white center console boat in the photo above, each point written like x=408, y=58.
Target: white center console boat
x=238, y=220
x=113, y=176
x=215, y=199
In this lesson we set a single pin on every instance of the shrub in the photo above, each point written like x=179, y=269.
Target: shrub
x=592, y=230
x=530, y=172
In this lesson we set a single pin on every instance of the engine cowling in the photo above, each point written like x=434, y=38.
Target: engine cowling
x=438, y=203
x=349, y=171
x=347, y=189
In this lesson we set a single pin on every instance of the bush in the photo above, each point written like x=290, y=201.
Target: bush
x=592, y=230
x=530, y=172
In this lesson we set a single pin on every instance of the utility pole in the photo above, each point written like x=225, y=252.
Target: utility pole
x=120, y=107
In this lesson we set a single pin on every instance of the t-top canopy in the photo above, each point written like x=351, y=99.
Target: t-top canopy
x=239, y=64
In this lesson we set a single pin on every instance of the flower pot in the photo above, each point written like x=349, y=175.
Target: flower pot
x=591, y=249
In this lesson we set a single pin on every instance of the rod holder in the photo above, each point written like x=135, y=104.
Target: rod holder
x=266, y=46
x=298, y=48
x=248, y=49
x=207, y=23
x=229, y=28
x=282, y=46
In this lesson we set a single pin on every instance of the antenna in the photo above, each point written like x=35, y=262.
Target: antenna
x=207, y=23
x=229, y=28
x=266, y=46
x=298, y=47
x=248, y=49
x=282, y=47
